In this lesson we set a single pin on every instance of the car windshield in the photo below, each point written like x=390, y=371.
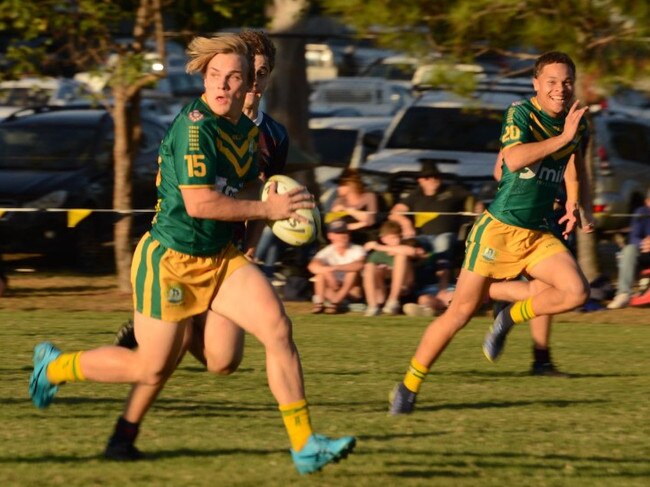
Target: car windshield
x=47, y=147
x=448, y=129
x=334, y=147
x=180, y=84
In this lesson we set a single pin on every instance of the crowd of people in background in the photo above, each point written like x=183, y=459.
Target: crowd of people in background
x=388, y=260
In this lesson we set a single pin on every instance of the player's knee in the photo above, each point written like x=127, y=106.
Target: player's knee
x=277, y=332
x=579, y=295
x=154, y=378
x=224, y=367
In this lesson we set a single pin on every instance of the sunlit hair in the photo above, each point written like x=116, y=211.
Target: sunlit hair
x=260, y=43
x=390, y=227
x=553, y=57
x=201, y=50
x=353, y=178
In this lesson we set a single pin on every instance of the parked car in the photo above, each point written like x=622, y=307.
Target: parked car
x=621, y=166
x=459, y=134
x=341, y=142
x=394, y=68
x=635, y=102
x=54, y=158
x=358, y=97
x=32, y=91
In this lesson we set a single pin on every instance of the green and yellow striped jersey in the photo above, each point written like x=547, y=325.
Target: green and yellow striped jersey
x=201, y=149
x=525, y=197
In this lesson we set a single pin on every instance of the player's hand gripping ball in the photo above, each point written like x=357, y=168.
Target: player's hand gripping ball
x=293, y=231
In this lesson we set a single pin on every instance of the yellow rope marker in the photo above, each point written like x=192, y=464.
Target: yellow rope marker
x=75, y=216
x=335, y=215
x=422, y=218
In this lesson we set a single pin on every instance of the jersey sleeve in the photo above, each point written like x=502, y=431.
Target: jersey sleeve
x=515, y=128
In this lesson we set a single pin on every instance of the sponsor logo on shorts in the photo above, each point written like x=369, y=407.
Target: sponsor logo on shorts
x=175, y=294
x=195, y=116
x=489, y=255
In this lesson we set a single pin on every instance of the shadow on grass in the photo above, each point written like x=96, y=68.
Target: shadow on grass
x=429, y=463
x=558, y=403
x=152, y=456
x=508, y=374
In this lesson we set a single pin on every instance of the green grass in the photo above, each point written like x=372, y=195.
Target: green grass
x=476, y=423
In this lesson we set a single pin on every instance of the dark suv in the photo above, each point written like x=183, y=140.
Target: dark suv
x=54, y=158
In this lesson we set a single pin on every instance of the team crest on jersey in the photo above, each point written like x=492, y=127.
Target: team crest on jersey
x=489, y=254
x=195, y=116
x=175, y=294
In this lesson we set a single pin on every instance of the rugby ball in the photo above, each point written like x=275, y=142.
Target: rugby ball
x=291, y=230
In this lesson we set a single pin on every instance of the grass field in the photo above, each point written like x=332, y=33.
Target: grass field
x=476, y=423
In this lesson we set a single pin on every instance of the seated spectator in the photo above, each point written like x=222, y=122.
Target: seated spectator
x=357, y=206
x=337, y=268
x=268, y=251
x=635, y=255
x=437, y=233
x=392, y=259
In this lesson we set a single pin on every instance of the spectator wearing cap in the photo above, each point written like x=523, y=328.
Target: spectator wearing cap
x=357, y=206
x=391, y=260
x=337, y=269
x=635, y=255
x=438, y=233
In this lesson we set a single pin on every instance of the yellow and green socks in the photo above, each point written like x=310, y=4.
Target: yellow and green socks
x=521, y=311
x=415, y=375
x=296, y=419
x=65, y=368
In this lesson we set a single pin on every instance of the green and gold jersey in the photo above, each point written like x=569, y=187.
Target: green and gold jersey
x=201, y=150
x=525, y=197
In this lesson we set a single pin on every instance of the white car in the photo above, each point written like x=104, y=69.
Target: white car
x=459, y=134
x=358, y=97
x=32, y=91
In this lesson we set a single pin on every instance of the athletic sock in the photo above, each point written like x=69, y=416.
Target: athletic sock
x=522, y=311
x=415, y=375
x=296, y=419
x=125, y=431
x=541, y=355
x=65, y=368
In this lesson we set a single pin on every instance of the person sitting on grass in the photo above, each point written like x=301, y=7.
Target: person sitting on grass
x=337, y=268
x=391, y=258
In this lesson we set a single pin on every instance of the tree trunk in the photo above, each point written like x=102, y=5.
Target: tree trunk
x=123, y=163
x=288, y=93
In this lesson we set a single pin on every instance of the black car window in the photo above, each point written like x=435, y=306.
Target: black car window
x=447, y=129
x=334, y=147
x=630, y=141
x=45, y=147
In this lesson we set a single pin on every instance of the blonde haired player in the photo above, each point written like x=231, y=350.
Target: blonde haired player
x=187, y=264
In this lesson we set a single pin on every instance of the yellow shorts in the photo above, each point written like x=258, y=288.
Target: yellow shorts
x=500, y=251
x=171, y=286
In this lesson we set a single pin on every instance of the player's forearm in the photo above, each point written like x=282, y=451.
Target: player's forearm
x=518, y=156
x=216, y=206
x=585, y=199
